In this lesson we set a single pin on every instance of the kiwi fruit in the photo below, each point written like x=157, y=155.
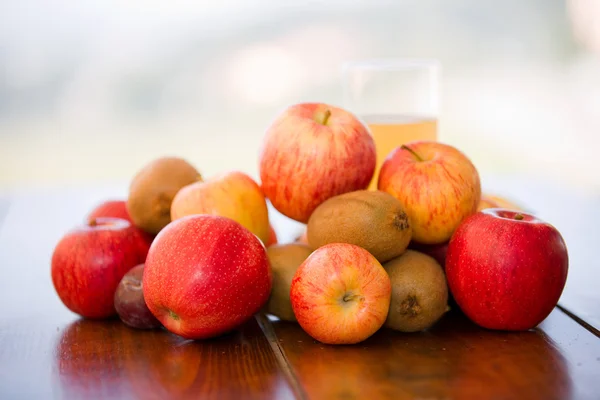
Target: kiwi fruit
x=152, y=190
x=285, y=260
x=371, y=219
x=419, y=292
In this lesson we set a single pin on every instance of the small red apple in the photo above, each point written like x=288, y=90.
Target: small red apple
x=506, y=269
x=205, y=275
x=340, y=294
x=110, y=208
x=89, y=262
x=311, y=152
x=118, y=209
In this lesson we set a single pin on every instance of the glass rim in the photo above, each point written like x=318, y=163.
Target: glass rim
x=391, y=64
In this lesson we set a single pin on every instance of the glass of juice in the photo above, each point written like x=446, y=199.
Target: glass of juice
x=398, y=99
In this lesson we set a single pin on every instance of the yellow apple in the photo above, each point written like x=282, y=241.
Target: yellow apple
x=437, y=185
x=234, y=195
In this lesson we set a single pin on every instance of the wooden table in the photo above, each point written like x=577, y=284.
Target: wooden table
x=47, y=352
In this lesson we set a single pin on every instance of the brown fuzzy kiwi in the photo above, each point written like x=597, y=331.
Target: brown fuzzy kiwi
x=285, y=260
x=419, y=292
x=371, y=219
x=152, y=190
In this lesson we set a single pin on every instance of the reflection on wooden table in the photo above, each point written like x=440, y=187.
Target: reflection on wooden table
x=455, y=359
x=99, y=358
x=48, y=352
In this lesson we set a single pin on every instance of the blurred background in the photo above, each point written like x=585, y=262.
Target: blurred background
x=90, y=91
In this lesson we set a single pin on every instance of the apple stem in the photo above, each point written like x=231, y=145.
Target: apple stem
x=519, y=217
x=93, y=222
x=411, y=151
x=326, y=116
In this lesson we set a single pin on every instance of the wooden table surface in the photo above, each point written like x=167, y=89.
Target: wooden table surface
x=48, y=352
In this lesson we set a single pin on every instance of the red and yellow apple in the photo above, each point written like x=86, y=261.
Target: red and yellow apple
x=88, y=263
x=311, y=152
x=340, y=294
x=233, y=195
x=437, y=185
x=506, y=269
x=205, y=275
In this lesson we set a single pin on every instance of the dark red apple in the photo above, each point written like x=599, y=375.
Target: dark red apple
x=506, y=269
x=437, y=251
x=206, y=275
x=130, y=303
x=88, y=263
x=118, y=209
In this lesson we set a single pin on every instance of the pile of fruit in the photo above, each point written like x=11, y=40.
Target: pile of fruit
x=199, y=257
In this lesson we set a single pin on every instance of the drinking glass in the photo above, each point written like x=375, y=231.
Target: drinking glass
x=398, y=99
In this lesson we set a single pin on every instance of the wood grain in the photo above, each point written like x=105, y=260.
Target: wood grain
x=47, y=352
x=455, y=360
x=106, y=359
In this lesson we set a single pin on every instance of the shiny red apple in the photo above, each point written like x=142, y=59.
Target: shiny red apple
x=88, y=263
x=506, y=269
x=118, y=209
x=206, y=275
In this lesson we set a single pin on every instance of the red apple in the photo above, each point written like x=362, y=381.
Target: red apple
x=110, y=208
x=505, y=269
x=340, y=294
x=89, y=262
x=311, y=152
x=130, y=303
x=205, y=275
x=437, y=251
x=118, y=209
x=437, y=185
